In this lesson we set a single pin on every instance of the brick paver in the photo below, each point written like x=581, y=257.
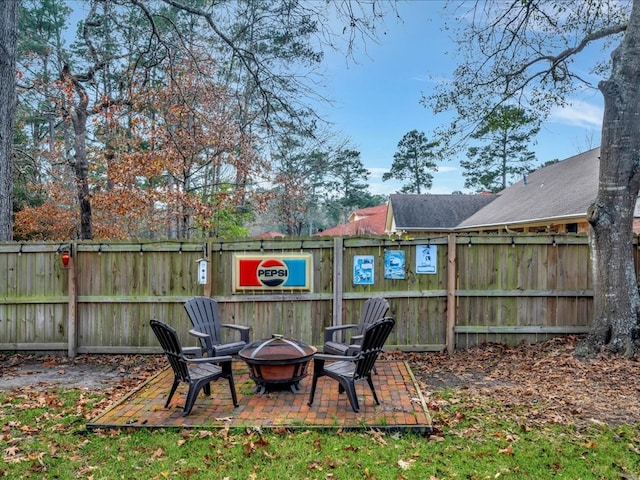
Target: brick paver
x=402, y=406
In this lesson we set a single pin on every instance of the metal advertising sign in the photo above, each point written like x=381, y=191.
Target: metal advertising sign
x=272, y=272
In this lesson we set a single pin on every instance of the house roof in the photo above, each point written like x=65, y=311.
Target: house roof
x=433, y=212
x=561, y=190
x=269, y=235
x=367, y=212
x=372, y=223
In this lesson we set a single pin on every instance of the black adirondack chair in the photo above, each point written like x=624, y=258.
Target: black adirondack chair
x=374, y=309
x=196, y=372
x=205, y=317
x=349, y=369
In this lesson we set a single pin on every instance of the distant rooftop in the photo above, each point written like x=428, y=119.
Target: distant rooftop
x=434, y=212
x=561, y=190
x=366, y=221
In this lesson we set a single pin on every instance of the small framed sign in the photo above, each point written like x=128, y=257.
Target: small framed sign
x=363, y=270
x=394, y=264
x=426, y=259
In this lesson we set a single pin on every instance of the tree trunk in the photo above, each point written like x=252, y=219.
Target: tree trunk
x=616, y=298
x=8, y=40
x=79, y=116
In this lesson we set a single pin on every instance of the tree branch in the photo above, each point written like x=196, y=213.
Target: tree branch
x=556, y=60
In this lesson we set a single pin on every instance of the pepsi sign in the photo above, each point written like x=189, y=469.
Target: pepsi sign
x=272, y=272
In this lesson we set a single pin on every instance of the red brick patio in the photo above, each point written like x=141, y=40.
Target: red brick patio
x=402, y=406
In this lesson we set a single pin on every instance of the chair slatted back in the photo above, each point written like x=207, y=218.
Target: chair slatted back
x=373, y=309
x=168, y=338
x=375, y=336
x=205, y=317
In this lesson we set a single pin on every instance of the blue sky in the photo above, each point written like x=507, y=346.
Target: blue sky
x=377, y=99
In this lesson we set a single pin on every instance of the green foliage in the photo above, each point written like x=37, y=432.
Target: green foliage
x=229, y=223
x=413, y=161
x=346, y=185
x=505, y=155
x=40, y=23
x=299, y=183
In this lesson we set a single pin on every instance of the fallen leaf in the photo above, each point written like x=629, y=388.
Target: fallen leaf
x=11, y=451
x=506, y=451
x=405, y=464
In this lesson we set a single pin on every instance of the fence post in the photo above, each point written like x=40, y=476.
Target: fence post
x=451, y=293
x=338, y=261
x=207, y=255
x=72, y=314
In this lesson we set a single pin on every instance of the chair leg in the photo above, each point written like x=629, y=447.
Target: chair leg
x=207, y=389
x=172, y=391
x=227, y=372
x=232, y=387
x=194, y=389
x=373, y=390
x=318, y=366
x=312, y=393
x=350, y=389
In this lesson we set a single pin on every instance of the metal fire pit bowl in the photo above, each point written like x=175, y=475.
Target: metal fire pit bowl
x=277, y=362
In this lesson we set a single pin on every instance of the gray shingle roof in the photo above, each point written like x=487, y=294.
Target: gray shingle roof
x=434, y=212
x=561, y=190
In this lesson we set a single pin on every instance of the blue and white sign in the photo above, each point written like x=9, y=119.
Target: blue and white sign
x=394, y=264
x=426, y=259
x=363, y=270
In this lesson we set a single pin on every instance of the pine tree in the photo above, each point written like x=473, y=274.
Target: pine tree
x=506, y=155
x=413, y=161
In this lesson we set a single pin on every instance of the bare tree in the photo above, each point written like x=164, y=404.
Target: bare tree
x=521, y=52
x=8, y=41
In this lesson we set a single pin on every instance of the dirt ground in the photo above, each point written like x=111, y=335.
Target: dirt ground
x=97, y=372
x=541, y=383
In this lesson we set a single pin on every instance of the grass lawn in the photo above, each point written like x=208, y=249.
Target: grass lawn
x=44, y=436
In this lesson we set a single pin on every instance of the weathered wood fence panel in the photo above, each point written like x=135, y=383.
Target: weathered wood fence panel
x=486, y=289
x=121, y=286
x=33, y=298
x=527, y=289
x=418, y=302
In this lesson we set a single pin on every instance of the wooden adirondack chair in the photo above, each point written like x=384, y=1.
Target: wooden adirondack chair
x=349, y=369
x=374, y=309
x=196, y=372
x=205, y=318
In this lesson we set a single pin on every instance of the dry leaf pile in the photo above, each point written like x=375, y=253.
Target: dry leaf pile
x=533, y=384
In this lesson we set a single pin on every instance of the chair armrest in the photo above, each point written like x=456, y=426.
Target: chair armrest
x=244, y=330
x=354, y=349
x=220, y=359
x=195, y=351
x=329, y=331
x=204, y=338
x=198, y=334
x=334, y=358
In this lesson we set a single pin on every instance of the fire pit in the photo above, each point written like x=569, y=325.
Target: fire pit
x=277, y=362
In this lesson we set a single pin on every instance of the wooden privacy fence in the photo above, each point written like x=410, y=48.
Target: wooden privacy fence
x=444, y=291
